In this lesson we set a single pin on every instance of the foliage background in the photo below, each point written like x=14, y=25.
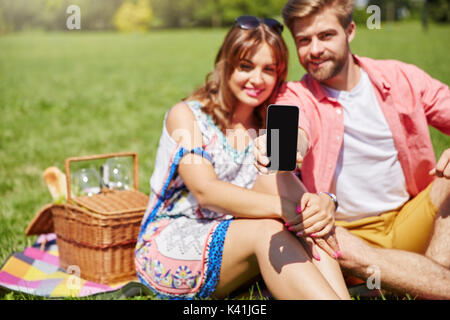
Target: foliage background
x=16, y=15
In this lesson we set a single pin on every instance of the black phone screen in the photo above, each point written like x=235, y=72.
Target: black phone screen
x=282, y=135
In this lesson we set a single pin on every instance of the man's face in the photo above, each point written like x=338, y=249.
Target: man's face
x=323, y=44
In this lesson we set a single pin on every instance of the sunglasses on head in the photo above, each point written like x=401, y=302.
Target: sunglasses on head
x=251, y=22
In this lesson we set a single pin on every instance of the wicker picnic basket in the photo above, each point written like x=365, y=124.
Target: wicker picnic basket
x=98, y=233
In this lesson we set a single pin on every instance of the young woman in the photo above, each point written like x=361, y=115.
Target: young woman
x=208, y=230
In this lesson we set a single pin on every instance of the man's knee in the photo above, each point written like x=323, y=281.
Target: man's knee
x=440, y=195
x=438, y=249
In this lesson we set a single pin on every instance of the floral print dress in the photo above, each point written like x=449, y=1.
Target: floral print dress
x=179, y=249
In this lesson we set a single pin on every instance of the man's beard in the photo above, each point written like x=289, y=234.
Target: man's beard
x=334, y=66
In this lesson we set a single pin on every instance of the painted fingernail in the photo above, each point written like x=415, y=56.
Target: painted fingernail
x=287, y=224
x=317, y=257
x=339, y=254
x=290, y=229
x=313, y=235
x=299, y=234
x=299, y=209
x=335, y=255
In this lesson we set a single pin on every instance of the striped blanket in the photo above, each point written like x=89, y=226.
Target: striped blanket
x=36, y=271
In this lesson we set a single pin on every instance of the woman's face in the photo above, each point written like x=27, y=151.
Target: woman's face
x=254, y=79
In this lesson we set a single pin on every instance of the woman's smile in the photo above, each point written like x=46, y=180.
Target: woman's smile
x=253, y=92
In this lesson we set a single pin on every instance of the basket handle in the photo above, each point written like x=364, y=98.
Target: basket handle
x=68, y=161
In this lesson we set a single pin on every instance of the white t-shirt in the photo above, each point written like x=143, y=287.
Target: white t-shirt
x=368, y=179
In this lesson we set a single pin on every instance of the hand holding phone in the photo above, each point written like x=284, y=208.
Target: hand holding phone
x=282, y=136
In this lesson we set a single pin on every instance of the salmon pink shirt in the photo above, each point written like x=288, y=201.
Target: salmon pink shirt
x=410, y=101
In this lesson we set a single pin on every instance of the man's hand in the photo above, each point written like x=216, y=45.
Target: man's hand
x=315, y=219
x=311, y=245
x=442, y=168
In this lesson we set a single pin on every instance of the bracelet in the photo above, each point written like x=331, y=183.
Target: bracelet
x=332, y=196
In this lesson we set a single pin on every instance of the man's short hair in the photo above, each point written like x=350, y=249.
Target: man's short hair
x=297, y=9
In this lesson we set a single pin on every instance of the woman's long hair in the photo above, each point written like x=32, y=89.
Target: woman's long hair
x=216, y=96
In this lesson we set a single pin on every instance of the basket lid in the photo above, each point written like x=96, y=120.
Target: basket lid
x=42, y=222
x=114, y=202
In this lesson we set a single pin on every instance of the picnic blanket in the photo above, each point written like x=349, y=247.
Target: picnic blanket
x=36, y=271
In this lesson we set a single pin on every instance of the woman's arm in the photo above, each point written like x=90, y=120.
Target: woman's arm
x=200, y=178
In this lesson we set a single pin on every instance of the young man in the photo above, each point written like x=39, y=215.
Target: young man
x=364, y=137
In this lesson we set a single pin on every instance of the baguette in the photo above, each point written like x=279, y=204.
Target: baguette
x=56, y=183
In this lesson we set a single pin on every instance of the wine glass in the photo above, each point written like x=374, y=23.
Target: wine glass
x=117, y=173
x=86, y=182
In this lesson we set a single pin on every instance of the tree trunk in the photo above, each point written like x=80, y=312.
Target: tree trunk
x=425, y=16
x=216, y=18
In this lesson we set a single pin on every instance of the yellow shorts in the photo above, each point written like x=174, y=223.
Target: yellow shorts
x=407, y=228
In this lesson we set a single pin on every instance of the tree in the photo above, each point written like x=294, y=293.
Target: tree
x=51, y=14
x=216, y=13
x=133, y=16
x=2, y=23
x=439, y=10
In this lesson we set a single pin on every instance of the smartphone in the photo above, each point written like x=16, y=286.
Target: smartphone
x=282, y=135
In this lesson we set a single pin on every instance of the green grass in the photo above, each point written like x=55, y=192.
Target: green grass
x=75, y=93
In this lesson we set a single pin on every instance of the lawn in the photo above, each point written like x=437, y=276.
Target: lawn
x=75, y=93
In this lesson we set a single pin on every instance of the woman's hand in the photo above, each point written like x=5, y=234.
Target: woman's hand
x=315, y=219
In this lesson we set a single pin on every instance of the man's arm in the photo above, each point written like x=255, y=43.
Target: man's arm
x=435, y=98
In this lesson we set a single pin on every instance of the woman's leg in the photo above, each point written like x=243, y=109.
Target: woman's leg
x=265, y=246
x=287, y=185
x=330, y=269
